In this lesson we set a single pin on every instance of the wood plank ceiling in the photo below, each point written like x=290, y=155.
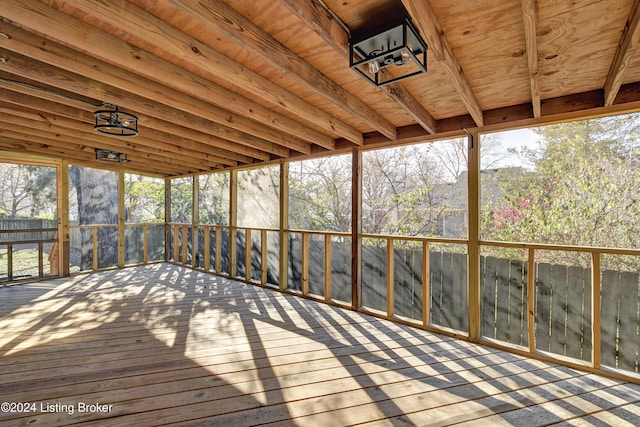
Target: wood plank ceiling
x=218, y=84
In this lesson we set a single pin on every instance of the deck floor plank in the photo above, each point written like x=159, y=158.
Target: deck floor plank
x=165, y=345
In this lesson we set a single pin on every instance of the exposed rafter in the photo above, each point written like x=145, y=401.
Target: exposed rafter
x=66, y=30
x=427, y=23
x=529, y=19
x=626, y=49
x=333, y=32
x=221, y=84
x=217, y=15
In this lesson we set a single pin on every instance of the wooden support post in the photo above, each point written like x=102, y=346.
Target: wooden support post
x=356, y=223
x=185, y=244
x=233, y=220
x=207, y=247
x=390, y=274
x=596, y=306
x=195, y=219
x=327, y=267
x=473, y=279
x=63, y=219
x=167, y=220
x=305, y=263
x=218, y=261
x=9, y=262
x=531, y=299
x=264, y=260
x=145, y=244
x=176, y=243
x=40, y=259
x=426, y=284
x=121, y=221
x=95, y=248
x=284, y=224
x=247, y=255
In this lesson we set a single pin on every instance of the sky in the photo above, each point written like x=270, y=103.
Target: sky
x=515, y=139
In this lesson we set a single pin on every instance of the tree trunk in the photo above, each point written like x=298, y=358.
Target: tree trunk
x=97, y=192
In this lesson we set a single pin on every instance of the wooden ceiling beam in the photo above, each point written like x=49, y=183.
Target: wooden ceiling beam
x=624, y=54
x=150, y=138
x=138, y=160
x=211, y=133
x=82, y=156
x=163, y=82
x=191, y=73
x=529, y=19
x=21, y=42
x=218, y=16
x=327, y=26
x=65, y=131
x=427, y=23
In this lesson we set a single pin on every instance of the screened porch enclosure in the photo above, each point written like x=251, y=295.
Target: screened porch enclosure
x=405, y=253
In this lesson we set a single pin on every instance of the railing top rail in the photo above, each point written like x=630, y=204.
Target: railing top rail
x=29, y=230
x=324, y=233
x=415, y=238
x=21, y=242
x=91, y=225
x=565, y=248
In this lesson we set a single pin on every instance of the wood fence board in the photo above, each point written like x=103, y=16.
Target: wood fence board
x=543, y=306
x=241, y=247
x=435, y=273
x=517, y=322
x=374, y=277
x=609, y=316
x=341, y=271
x=460, y=291
x=488, y=266
x=578, y=319
x=503, y=285
x=416, y=261
x=224, y=251
x=558, y=309
x=628, y=322
x=448, y=308
x=402, y=281
x=587, y=341
x=316, y=266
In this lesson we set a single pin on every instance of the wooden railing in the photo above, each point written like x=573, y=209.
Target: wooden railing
x=24, y=239
x=585, y=313
x=399, y=271
x=424, y=281
x=319, y=265
x=140, y=245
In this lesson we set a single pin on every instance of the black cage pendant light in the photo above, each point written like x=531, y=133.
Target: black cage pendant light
x=397, y=47
x=116, y=122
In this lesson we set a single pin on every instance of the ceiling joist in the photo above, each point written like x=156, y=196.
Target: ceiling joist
x=236, y=83
x=529, y=20
x=427, y=23
x=624, y=54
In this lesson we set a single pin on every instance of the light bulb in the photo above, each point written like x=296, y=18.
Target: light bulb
x=374, y=67
x=404, y=57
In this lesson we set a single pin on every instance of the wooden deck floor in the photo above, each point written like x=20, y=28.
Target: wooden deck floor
x=161, y=344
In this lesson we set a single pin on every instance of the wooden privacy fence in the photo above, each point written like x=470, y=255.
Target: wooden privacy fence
x=18, y=230
x=393, y=282
x=35, y=240
x=563, y=307
x=562, y=302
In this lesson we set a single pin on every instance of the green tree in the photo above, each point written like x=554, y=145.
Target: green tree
x=582, y=189
x=144, y=199
x=320, y=194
